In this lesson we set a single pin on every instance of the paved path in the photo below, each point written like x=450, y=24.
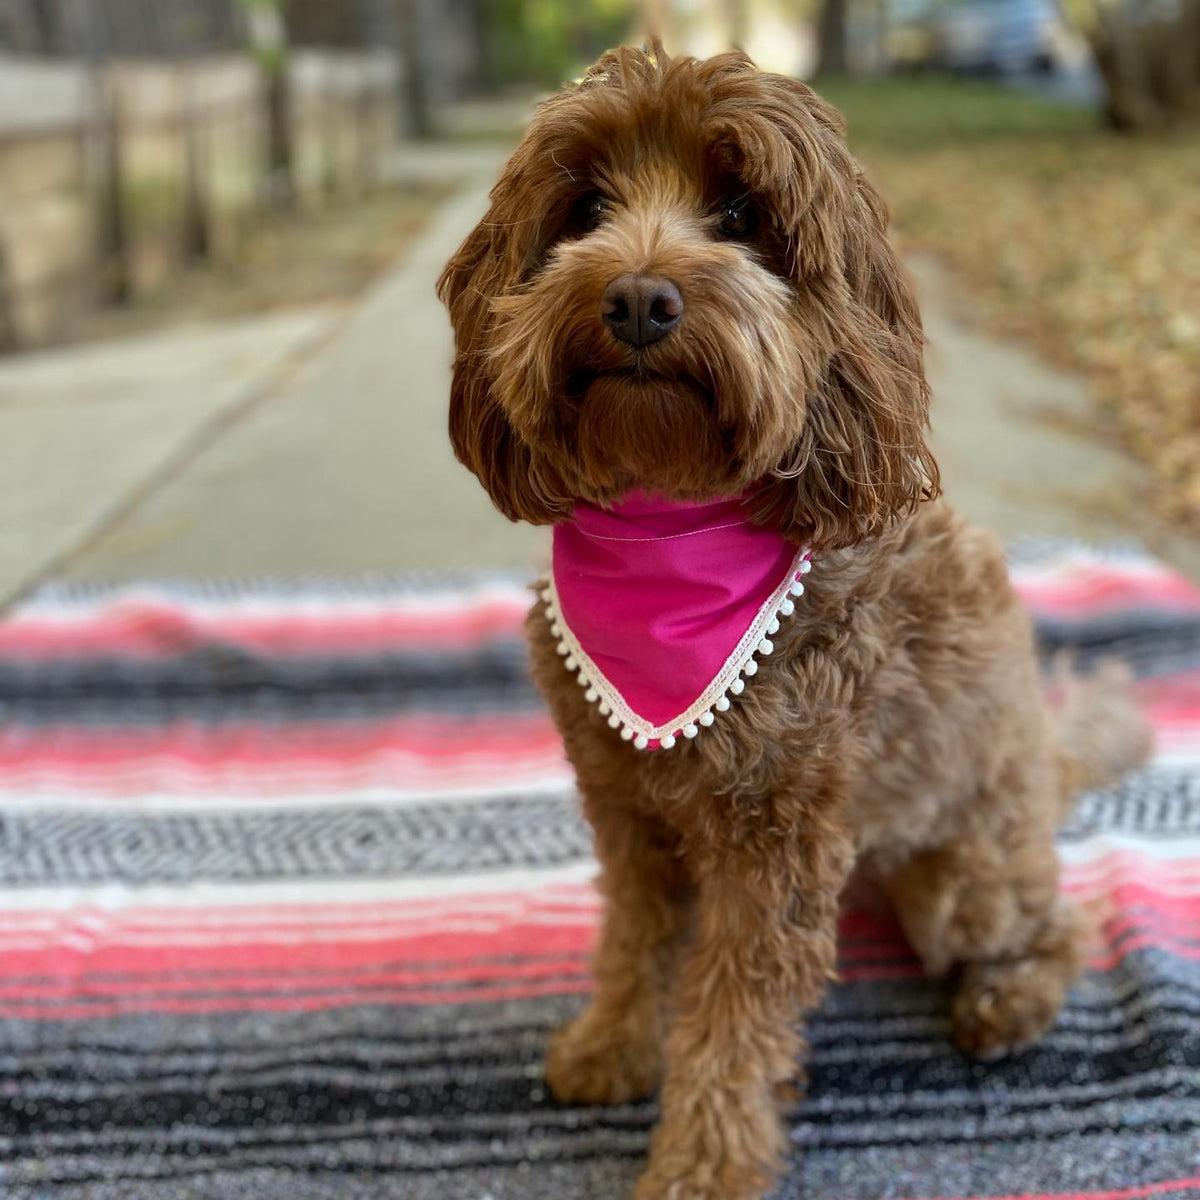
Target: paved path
x=316, y=442
x=345, y=468
x=85, y=431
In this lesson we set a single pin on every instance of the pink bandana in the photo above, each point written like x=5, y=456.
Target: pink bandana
x=662, y=607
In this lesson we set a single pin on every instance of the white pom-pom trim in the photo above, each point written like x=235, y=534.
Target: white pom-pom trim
x=731, y=681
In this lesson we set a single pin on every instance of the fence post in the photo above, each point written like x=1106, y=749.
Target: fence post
x=362, y=122
x=279, y=136
x=9, y=339
x=329, y=128
x=196, y=239
x=117, y=284
x=269, y=44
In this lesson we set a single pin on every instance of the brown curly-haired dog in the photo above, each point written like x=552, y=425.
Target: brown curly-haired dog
x=898, y=729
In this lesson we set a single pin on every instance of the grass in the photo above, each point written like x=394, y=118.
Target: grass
x=1085, y=242
x=925, y=112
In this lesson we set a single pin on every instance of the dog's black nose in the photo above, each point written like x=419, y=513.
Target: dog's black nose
x=640, y=309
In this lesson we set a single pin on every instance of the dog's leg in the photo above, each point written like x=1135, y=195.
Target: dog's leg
x=612, y=1053
x=988, y=902
x=762, y=951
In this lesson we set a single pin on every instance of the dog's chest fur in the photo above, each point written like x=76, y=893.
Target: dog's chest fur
x=892, y=637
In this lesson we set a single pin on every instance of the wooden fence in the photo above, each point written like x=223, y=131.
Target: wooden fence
x=102, y=29
x=169, y=164
x=139, y=134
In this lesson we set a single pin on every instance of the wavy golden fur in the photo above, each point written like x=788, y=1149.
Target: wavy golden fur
x=898, y=732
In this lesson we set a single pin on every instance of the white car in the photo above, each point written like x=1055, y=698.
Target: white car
x=1007, y=37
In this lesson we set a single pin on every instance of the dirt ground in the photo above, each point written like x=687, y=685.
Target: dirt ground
x=285, y=263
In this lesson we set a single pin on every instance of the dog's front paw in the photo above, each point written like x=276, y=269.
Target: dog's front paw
x=1000, y=1008
x=655, y=1185
x=725, y=1144
x=701, y=1180
x=594, y=1060
x=1004, y=1006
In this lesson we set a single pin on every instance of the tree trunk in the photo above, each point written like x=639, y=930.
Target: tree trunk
x=414, y=91
x=483, y=76
x=658, y=18
x=1150, y=68
x=883, y=58
x=331, y=120
x=832, y=61
x=737, y=22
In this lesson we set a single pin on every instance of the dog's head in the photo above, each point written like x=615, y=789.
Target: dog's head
x=683, y=285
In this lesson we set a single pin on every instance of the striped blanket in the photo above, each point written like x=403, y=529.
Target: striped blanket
x=288, y=910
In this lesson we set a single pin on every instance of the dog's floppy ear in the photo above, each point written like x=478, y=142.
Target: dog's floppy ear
x=486, y=265
x=862, y=458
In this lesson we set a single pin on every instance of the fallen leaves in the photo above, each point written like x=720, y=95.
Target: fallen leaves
x=1088, y=244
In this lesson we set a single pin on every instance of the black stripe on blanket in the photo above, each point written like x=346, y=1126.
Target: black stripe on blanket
x=56, y=846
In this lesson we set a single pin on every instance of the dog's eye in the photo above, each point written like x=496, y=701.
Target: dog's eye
x=738, y=220
x=588, y=211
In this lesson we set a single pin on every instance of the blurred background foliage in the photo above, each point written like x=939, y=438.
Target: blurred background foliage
x=1084, y=241
x=546, y=41
x=1048, y=149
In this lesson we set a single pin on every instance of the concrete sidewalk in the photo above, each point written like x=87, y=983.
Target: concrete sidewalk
x=85, y=432
x=323, y=448
x=346, y=467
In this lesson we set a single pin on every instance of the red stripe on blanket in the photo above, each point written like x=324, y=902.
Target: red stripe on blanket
x=1133, y=1193
x=164, y=628
x=421, y=752
x=430, y=750
x=297, y=967
x=58, y=956
x=189, y=982
x=285, y=1002
x=1092, y=591
x=284, y=994
x=1119, y=881
x=157, y=625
